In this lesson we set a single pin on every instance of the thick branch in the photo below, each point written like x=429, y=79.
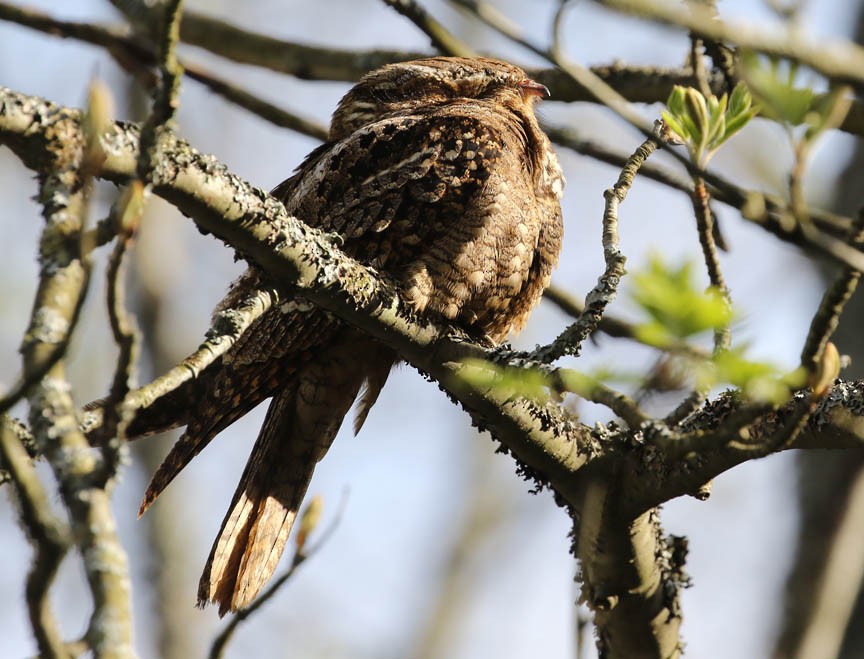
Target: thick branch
x=638, y=84
x=53, y=415
x=257, y=226
x=650, y=479
x=290, y=251
x=629, y=580
x=547, y=442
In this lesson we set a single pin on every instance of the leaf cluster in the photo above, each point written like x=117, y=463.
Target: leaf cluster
x=704, y=123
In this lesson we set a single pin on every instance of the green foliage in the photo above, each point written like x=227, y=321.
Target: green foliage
x=774, y=84
x=676, y=308
x=530, y=383
x=757, y=380
x=704, y=124
x=507, y=382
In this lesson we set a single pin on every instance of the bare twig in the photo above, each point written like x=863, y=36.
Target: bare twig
x=616, y=327
x=442, y=39
x=842, y=61
x=268, y=111
x=217, y=649
x=53, y=420
x=227, y=327
x=166, y=96
x=698, y=61
x=834, y=300
x=49, y=536
x=123, y=325
x=722, y=335
x=556, y=39
x=571, y=339
x=774, y=215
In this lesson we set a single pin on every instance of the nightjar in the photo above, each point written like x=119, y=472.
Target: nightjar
x=435, y=172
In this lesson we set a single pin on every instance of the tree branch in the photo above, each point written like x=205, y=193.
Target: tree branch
x=52, y=412
x=49, y=536
x=633, y=476
x=257, y=226
x=842, y=61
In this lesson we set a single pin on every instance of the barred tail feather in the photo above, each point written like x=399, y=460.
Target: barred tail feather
x=256, y=528
x=301, y=422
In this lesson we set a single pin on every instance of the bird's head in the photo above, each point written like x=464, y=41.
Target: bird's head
x=417, y=85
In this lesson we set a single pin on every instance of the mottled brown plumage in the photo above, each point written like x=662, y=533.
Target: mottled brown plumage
x=435, y=172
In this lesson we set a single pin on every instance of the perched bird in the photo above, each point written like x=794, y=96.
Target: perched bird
x=435, y=172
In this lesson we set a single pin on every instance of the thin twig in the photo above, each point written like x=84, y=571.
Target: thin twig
x=621, y=404
x=775, y=208
x=556, y=40
x=569, y=138
x=698, y=61
x=52, y=412
x=570, y=340
x=250, y=102
x=722, y=335
x=166, y=96
x=227, y=327
x=797, y=200
x=123, y=324
x=217, y=649
x=124, y=327
x=842, y=61
x=442, y=39
x=705, y=229
x=49, y=536
x=834, y=300
x=615, y=327
x=775, y=216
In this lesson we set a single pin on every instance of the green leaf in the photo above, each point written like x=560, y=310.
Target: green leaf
x=774, y=87
x=740, y=101
x=703, y=124
x=578, y=383
x=757, y=380
x=735, y=123
x=675, y=102
x=676, y=308
x=828, y=112
x=697, y=108
x=507, y=382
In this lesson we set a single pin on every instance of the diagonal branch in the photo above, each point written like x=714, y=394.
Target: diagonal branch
x=842, y=61
x=606, y=475
x=542, y=436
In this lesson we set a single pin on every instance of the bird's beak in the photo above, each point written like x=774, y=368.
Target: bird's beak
x=530, y=88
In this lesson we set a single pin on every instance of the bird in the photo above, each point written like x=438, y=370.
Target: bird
x=436, y=173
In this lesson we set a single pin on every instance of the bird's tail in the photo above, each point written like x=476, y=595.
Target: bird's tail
x=302, y=420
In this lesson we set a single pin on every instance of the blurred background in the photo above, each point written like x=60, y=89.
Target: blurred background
x=440, y=551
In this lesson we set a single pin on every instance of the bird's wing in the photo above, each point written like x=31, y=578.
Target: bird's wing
x=399, y=181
